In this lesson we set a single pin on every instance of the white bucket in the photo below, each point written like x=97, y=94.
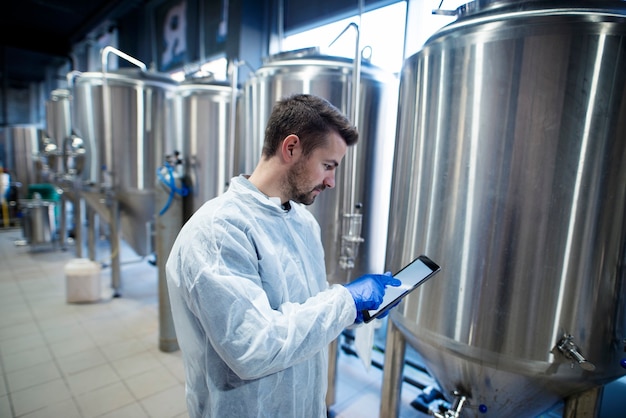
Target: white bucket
x=82, y=279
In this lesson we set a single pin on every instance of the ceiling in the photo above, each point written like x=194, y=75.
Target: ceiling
x=35, y=34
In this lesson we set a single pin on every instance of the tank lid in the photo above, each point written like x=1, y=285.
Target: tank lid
x=312, y=56
x=209, y=80
x=296, y=53
x=59, y=94
x=497, y=7
x=135, y=74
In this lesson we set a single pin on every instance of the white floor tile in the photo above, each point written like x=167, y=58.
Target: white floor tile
x=102, y=359
x=33, y=376
x=166, y=404
x=92, y=379
x=26, y=358
x=151, y=382
x=104, y=400
x=39, y=396
x=65, y=409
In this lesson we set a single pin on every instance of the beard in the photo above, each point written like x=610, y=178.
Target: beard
x=296, y=190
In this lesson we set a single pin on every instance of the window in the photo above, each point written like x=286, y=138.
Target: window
x=381, y=33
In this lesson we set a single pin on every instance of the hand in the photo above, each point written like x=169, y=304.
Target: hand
x=368, y=291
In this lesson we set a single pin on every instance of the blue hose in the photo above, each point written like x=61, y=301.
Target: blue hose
x=171, y=183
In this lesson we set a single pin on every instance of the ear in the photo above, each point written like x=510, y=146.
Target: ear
x=290, y=144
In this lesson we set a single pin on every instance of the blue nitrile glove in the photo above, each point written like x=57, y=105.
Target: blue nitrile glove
x=368, y=291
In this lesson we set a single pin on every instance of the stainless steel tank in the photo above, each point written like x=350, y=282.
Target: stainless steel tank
x=509, y=172
x=22, y=161
x=58, y=130
x=203, y=112
x=125, y=138
x=332, y=78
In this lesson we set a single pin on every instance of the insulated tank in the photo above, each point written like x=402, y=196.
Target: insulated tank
x=367, y=179
x=22, y=157
x=125, y=139
x=58, y=130
x=203, y=111
x=509, y=172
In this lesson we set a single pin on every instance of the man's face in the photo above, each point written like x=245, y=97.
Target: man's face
x=308, y=177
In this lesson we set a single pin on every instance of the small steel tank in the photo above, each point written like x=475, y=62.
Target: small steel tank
x=58, y=131
x=357, y=247
x=509, y=172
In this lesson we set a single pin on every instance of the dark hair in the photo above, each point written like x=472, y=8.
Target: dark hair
x=311, y=118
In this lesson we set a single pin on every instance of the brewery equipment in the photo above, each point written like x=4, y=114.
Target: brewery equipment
x=306, y=71
x=509, y=172
x=121, y=117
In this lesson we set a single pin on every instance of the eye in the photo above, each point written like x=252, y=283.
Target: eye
x=329, y=167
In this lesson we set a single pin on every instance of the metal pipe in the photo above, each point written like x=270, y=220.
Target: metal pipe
x=109, y=180
x=232, y=122
x=116, y=277
x=78, y=221
x=168, y=226
x=351, y=222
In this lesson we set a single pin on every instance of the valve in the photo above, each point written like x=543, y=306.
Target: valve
x=350, y=239
x=455, y=411
x=571, y=351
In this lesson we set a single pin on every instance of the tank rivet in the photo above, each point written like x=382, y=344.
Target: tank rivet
x=482, y=408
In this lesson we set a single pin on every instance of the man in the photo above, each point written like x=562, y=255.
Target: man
x=252, y=308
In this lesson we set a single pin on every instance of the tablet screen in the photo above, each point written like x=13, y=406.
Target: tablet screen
x=412, y=275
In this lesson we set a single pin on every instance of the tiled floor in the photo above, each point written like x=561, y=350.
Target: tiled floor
x=84, y=360
x=102, y=359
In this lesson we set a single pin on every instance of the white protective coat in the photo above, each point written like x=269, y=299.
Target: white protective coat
x=252, y=308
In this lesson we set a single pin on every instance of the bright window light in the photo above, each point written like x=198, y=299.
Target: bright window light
x=381, y=33
x=216, y=68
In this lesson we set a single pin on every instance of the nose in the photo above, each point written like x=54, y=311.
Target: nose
x=329, y=181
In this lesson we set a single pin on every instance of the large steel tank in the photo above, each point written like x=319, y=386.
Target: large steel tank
x=204, y=110
x=365, y=183
x=509, y=171
x=125, y=138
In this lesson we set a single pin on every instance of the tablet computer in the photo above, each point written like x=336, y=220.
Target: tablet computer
x=412, y=275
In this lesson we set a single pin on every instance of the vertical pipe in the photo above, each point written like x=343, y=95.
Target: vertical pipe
x=78, y=222
x=91, y=233
x=113, y=203
x=333, y=352
x=168, y=225
x=63, y=221
x=116, y=280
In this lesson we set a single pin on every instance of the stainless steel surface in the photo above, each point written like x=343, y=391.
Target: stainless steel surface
x=39, y=221
x=203, y=112
x=22, y=148
x=58, y=130
x=509, y=172
x=331, y=78
x=125, y=148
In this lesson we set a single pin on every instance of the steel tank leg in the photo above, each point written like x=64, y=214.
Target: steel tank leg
x=333, y=353
x=92, y=225
x=78, y=224
x=116, y=271
x=63, y=221
x=395, y=350
x=168, y=225
x=584, y=405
